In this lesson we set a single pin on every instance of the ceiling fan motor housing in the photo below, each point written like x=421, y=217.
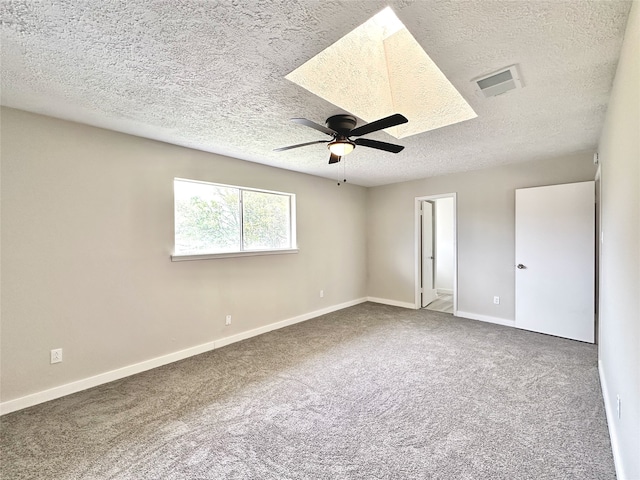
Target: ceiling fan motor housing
x=342, y=124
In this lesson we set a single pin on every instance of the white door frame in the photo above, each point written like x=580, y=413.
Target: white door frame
x=418, y=248
x=429, y=292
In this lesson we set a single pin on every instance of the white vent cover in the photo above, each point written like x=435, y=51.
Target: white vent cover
x=498, y=82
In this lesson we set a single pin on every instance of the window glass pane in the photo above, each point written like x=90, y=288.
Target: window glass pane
x=207, y=218
x=267, y=221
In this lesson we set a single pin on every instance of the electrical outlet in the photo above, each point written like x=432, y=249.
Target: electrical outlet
x=228, y=320
x=618, y=404
x=496, y=300
x=56, y=355
x=321, y=293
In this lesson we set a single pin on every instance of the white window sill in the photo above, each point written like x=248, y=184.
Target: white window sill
x=212, y=256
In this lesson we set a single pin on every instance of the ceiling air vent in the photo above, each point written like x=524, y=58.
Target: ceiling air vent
x=498, y=82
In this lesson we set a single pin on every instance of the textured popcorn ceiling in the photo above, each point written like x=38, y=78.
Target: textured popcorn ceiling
x=380, y=69
x=210, y=75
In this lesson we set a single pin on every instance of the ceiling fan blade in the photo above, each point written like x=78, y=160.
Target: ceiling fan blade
x=386, y=122
x=334, y=158
x=281, y=149
x=387, y=147
x=314, y=125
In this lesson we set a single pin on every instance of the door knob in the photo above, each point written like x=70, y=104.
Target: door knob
x=521, y=266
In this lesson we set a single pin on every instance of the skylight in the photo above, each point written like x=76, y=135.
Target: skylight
x=379, y=69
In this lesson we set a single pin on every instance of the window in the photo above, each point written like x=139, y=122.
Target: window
x=212, y=219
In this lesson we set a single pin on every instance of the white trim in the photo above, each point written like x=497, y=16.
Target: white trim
x=251, y=253
x=486, y=318
x=226, y=185
x=418, y=247
x=285, y=323
x=444, y=291
x=394, y=303
x=611, y=423
x=106, y=377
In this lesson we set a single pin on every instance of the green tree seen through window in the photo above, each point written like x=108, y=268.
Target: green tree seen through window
x=208, y=219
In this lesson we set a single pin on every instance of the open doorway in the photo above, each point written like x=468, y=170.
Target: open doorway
x=436, y=285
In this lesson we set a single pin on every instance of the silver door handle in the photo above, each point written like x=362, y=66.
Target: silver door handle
x=521, y=266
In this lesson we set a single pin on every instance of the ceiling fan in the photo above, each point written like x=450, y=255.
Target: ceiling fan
x=342, y=127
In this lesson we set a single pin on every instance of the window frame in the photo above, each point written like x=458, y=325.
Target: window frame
x=293, y=248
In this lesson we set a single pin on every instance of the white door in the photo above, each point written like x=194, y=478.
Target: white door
x=555, y=260
x=428, y=290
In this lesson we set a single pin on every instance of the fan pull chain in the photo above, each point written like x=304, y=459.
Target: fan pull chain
x=344, y=170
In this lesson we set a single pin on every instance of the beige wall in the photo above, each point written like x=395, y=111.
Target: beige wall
x=87, y=230
x=485, y=230
x=619, y=332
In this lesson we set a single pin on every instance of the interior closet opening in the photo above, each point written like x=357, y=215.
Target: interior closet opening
x=436, y=253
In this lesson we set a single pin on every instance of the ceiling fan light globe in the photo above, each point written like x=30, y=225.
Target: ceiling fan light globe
x=341, y=148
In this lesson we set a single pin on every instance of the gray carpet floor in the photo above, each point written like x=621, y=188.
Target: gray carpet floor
x=369, y=392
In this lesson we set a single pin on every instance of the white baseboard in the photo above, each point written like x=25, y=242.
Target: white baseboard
x=611, y=424
x=393, y=303
x=285, y=323
x=486, y=318
x=444, y=291
x=106, y=377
